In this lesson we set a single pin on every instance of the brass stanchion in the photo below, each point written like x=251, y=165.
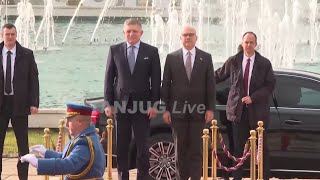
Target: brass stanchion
x=214, y=129
x=205, y=141
x=46, y=143
x=62, y=138
x=260, y=148
x=253, y=139
x=109, y=149
x=97, y=131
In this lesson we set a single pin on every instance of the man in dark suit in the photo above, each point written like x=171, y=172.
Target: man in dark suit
x=19, y=92
x=252, y=82
x=188, y=91
x=132, y=86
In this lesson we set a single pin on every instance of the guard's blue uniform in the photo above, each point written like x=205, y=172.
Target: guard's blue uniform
x=75, y=162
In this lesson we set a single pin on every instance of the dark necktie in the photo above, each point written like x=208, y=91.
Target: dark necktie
x=246, y=77
x=188, y=65
x=8, y=88
x=131, y=58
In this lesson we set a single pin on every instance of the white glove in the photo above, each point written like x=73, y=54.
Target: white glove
x=38, y=149
x=30, y=158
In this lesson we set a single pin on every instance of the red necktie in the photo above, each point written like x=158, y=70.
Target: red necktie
x=246, y=77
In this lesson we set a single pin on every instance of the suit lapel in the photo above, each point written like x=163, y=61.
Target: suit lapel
x=17, y=60
x=255, y=71
x=196, y=64
x=181, y=64
x=18, y=56
x=239, y=71
x=139, y=56
x=1, y=59
x=125, y=58
x=124, y=50
x=1, y=47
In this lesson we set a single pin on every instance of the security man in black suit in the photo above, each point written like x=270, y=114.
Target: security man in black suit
x=252, y=82
x=19, y=92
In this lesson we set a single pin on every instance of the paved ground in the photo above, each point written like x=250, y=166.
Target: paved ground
x=9, y=172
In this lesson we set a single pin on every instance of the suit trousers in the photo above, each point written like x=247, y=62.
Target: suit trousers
x=187, y=136
x=138, y=125
x=20, y=128
x=241, y=133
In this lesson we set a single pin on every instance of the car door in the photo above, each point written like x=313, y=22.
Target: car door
x=298, y=99
x=222, y=91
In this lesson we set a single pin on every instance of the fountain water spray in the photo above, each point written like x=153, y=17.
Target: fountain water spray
x=276, y=23
x=47, y=26
x=314, y=28
x=296, y=18
x=108, y=4
x=200, y=32
x=71, y=21
x=173, y=29
x=25, y=22
x=188, y=16
x=186, y=11
x=3, y=17
x=275, y=38
x=158, y=36
x=235, y=23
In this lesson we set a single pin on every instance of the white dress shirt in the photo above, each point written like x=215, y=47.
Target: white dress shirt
x=4, y=64
x=185, y=55
x=136, y=50
x=244, y=63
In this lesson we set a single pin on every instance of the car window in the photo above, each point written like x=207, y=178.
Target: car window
x=222, y=91
x=297, y=92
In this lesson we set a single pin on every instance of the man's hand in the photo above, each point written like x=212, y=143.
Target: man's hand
x=38, y=149
x=109, y=111
x=246, y=100
x=152, y=112
x=209, y=115
x=33, y=110
x=166, y=117
x=30, y=158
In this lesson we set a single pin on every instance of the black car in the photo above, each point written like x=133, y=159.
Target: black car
x=293, y=134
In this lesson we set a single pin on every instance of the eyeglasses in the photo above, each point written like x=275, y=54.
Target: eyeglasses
x=188, y=34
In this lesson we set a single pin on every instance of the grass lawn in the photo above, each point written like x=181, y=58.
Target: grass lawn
x=35, y=137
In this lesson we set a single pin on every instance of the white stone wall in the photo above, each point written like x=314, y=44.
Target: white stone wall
x=46, y=118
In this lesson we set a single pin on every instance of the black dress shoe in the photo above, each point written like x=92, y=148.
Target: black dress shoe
x=123, y=175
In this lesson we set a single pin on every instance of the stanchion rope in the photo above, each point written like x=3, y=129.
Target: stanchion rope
x=234, y=167
x=227, y=152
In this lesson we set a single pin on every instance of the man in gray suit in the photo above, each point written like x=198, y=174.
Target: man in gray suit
x=188, y=91
x=132, y=80
x=252, y=82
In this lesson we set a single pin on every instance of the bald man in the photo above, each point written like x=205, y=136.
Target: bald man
x=188, y=91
